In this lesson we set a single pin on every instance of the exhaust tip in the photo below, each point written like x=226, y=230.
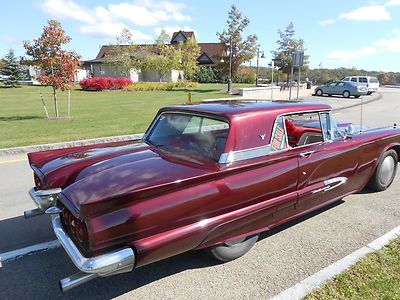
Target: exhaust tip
x=33, y=213
x=75, y=280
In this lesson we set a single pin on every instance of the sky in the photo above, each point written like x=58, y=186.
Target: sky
x=340, y=33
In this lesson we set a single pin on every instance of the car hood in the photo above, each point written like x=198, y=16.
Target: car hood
x=108, y=184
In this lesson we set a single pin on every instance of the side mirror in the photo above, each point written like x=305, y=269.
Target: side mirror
x=349, y=130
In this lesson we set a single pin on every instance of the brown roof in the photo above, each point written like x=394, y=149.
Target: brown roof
x=187, y=34
x=213, y=50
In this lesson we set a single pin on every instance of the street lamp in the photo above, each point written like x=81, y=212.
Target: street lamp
x=230, y=67
x=258, y=58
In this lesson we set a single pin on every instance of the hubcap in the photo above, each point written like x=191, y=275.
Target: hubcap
x=387, y=170
x=346, y=94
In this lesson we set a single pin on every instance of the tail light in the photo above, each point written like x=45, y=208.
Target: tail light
x=76, y=227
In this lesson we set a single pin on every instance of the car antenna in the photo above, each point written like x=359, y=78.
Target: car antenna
x=361, y=115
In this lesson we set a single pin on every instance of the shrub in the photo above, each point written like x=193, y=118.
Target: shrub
x=104, y=83
x=207, y=75
x=158, y=86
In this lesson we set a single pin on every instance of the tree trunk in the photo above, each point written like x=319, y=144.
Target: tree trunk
x=55, y=101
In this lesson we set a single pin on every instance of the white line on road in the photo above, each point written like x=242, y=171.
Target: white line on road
x=27, y=250
x=306, y=286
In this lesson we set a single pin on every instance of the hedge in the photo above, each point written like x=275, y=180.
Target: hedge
x=104, y=83
x=159, y=86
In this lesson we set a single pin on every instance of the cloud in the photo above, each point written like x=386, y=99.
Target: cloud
x=107, y=21
x=171, y=29
x=8, y=38
x=347, y=55
x=393, y=3
x=327, y=22
x=372, y=12
x=389, y=45
x=67, y=10
x=112, y=30
x=367, y=13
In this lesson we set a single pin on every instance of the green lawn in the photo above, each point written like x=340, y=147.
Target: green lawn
x=94, y=114
x=377, y=276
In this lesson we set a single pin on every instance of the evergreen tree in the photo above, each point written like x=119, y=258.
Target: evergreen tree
x=11, y=69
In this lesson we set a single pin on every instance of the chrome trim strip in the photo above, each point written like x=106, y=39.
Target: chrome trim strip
x=233, y=156
x=331, y=184
x=44, y=198
x=114, y=262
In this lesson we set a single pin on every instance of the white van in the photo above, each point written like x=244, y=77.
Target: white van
x=372, y=83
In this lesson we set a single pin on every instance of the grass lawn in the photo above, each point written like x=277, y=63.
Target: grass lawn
x=94, y=114
x=377, y=276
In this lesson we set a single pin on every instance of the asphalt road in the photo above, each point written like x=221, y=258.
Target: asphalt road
x=280, y=258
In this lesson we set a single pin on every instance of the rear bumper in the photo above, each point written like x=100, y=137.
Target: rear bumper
x=111, y=263
x=104, y=265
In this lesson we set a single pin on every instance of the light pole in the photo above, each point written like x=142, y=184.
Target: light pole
x=258, y=58
x=230, y=67
x=272, y=78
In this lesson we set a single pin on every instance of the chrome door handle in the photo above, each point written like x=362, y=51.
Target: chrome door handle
x=306, y=154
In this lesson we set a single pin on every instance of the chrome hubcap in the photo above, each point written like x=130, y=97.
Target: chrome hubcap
x=387, y=169
x=236, y=241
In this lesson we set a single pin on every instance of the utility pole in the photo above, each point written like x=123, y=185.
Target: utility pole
x=258, y=59
x=230, y=66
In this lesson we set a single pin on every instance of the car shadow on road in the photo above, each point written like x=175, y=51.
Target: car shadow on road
x=38, y=274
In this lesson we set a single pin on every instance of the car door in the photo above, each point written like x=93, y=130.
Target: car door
x=327, y=167
x=330, y=88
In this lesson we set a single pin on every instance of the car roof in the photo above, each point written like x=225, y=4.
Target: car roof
x=235, y=107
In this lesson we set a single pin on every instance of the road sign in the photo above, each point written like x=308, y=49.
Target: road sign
x=298, y=58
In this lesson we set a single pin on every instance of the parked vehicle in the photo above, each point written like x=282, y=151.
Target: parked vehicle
x=205, y=176
x=346, y=89
x=372, y=83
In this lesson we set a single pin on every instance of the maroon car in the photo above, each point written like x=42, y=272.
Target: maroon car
x=205, y=176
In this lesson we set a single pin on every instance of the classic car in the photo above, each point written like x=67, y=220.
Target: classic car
x=343, y=88
x=207, y=176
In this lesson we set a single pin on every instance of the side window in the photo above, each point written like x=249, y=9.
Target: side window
x=354, y=79
x=345, y=79
x=363, y=79
x=278, y=140
x=326, y=126
x=303, y=129
x=340, y=84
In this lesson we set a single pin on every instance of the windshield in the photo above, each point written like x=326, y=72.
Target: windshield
x=190, y=134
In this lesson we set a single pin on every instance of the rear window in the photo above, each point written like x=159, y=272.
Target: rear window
x=189, y=134
x=373, y=80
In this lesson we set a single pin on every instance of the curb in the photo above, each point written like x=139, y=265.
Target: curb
x=312, y=283
x=34, y=148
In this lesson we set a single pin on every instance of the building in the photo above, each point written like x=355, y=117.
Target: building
x=211, y=54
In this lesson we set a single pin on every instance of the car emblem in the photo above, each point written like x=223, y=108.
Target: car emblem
x=262, y=136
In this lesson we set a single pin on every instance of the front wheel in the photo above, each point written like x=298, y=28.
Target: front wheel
x=385, y=171
x=319, y=92
x=233, y=249
x=346, y=94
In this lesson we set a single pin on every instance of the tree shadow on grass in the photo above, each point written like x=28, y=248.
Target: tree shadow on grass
x=20, y=118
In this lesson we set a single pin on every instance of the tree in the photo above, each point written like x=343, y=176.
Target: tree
x=384, y=78
x=11, y=68
x=161, y=57
x=125, y=54
x=190, y=52
x=237, y=48
x=288, y=44
x=57, y=66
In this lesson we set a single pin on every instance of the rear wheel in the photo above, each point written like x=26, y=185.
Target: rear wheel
x=346, y=94
x=385, y=171
x=233, y=249
x=319, y=92
x=369, y=93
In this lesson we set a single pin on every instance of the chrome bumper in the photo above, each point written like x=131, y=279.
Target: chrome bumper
x=111, y=263
x=43, y=199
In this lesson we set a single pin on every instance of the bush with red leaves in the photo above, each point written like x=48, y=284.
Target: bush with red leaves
x=104, y=83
